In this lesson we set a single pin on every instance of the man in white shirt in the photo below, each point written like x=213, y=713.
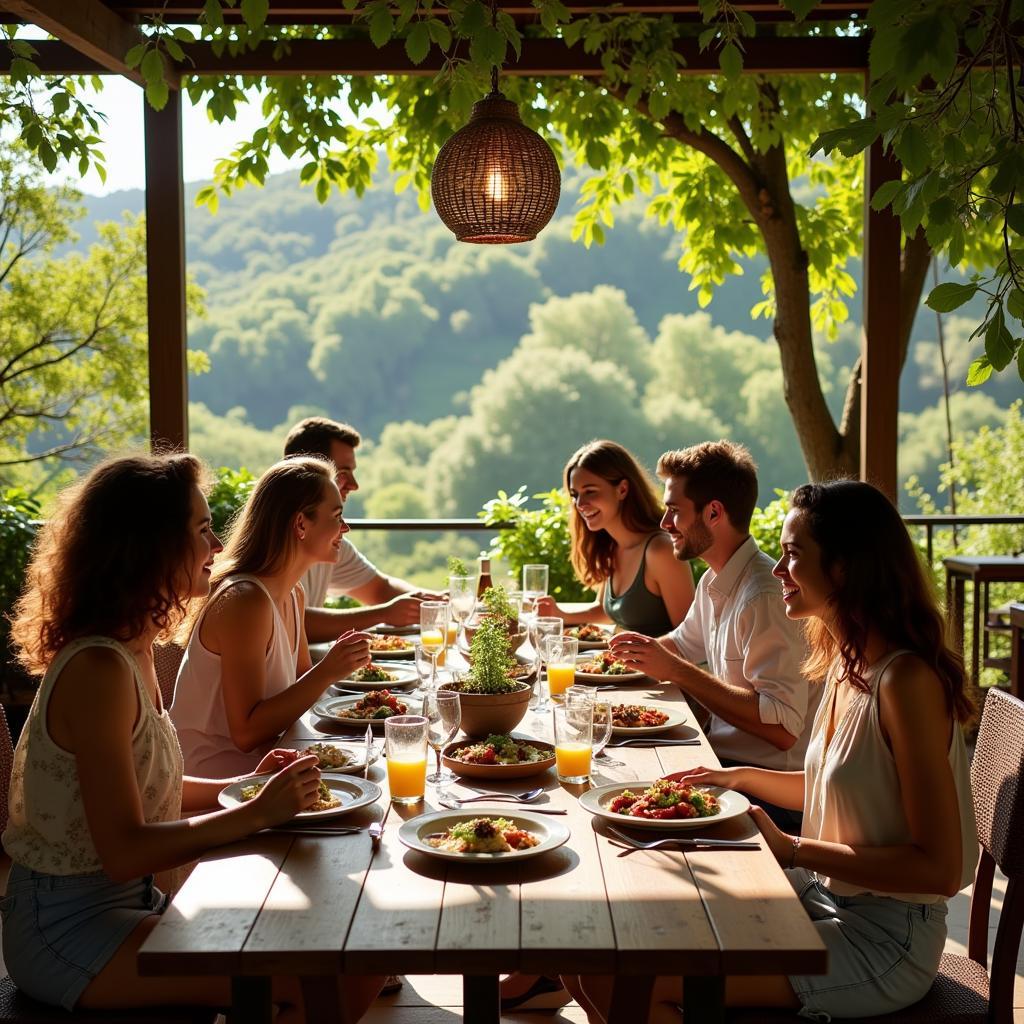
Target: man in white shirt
x=385, y=598
x=761, y=705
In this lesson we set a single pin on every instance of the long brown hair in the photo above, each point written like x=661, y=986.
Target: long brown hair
x=111, y=558
x=593, y=553
x=260, y=538
x=882, y=586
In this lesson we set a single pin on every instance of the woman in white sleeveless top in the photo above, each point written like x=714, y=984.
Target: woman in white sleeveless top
x=888, y=828
x=97, y=789
x=247, y=674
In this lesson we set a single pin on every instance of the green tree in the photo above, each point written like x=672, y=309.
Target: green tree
x=72, y=328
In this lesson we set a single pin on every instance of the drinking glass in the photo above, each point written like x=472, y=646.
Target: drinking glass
x=602, y=716
x=542, y=626
x=443, y=712
x=434, y=633
x=462, y=598
x=405, y=740
x=535, y=584
x=560, y=655
x=574, y=731
x=424, y=666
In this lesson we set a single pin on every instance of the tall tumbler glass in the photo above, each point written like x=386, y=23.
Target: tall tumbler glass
x=574, y=731
x=405, y=740
x=543, y=626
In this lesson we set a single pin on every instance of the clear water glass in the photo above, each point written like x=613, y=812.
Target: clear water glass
x=443, y=713
x=535, y=584
x=543, y=626
x=462, y=598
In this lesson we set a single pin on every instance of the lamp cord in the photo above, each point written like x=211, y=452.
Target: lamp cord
x=494, y=67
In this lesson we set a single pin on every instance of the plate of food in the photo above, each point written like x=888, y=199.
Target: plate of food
x=385, y=630
x=484, y=834
x=376, y=676
x=664, y=804
x=604, y=667
x=390, y=646
x=644, y=719
x=498, y=757
x=338, y=794
x=371, y=709
x=335, y=757
x=591, y=635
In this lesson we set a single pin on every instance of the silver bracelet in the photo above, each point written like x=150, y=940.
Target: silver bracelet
x=792, y=856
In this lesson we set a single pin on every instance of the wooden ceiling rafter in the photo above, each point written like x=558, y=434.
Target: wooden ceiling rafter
x=93, y=29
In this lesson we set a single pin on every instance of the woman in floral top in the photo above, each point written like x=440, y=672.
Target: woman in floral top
x=97, y=789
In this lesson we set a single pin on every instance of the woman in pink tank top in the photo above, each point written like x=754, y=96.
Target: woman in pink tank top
x=888, y=827
x=247, y=674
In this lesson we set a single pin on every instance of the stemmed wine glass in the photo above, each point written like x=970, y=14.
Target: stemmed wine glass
x=443, y=712
x=603, y=732
x=434, y=633
x=542, y=626
x=462, y=598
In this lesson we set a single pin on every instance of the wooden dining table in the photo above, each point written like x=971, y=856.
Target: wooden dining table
x=316, y=907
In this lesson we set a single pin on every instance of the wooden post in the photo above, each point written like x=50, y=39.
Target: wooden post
x=165, y=275
x=880, y=344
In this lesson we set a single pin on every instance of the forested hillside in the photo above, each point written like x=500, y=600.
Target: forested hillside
x=472, y=368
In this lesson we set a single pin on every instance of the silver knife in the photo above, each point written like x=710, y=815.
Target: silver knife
x=652, y=741
x=369, y=751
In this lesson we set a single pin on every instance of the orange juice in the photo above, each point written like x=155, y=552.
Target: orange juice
x=560, y=678
x=407, y=779
x=453, y=633
x=572, y=760
x=434, y=640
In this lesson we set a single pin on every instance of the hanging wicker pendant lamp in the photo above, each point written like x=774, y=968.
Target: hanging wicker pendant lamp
x=495, y=180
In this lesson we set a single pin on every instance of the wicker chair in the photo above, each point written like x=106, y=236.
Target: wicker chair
x=964, y=991
x=167, y=660
x=6, y=764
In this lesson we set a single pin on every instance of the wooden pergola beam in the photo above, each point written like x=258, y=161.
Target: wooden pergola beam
x=91, y=28
x=540, y=58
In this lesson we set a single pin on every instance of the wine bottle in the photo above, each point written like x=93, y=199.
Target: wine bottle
x=485, y=577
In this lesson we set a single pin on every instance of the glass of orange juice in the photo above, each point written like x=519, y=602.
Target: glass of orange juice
x=574, y=730
x=405, y=740
x=434, y=617
x=560, y=655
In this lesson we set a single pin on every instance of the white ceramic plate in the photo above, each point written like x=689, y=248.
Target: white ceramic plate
x=593, y=645
x=552, y=833
x=405, y=678
x=328, y=707
x=675, y=717
x=384, y=654
x=352, y=792
x=603, y=677
x=596, y=801
x=385, y=630
x=355, y=750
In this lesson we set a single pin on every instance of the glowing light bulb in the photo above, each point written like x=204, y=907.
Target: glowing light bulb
x=496, y=186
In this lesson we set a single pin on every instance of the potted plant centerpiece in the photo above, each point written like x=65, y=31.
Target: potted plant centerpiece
x=492, y=700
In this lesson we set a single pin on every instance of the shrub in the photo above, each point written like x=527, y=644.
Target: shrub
x=19, y=521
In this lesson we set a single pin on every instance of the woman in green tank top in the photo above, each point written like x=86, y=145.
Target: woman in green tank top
x=618, y=547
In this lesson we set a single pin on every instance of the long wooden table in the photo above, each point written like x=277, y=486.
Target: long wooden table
x=319, y=906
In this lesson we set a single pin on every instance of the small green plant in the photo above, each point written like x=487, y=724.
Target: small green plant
x=491, y=661
x=498, y=606
x=19, y=520
x=766, y=524
x=230, y=491
x=457, y=567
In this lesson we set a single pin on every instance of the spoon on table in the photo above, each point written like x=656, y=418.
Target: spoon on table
x=522, y=798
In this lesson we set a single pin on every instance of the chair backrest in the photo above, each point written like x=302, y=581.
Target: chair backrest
x=166, y=660
x=998, y=787
x=6, y=764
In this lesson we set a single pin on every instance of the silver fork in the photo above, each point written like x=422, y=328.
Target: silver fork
x=684, y=842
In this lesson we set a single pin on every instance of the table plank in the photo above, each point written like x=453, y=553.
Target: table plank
x=204, y=929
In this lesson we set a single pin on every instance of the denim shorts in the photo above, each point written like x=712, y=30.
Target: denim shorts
x=59, y=931
x=883, y=954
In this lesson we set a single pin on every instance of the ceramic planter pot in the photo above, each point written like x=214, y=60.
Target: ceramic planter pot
x=486, y=713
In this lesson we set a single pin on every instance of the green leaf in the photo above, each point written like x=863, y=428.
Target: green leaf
x=1015, y=304
x=979, y=371
x=213, y=14
x=152, y=66
x=946, y=297
x=382, y=25
x=417, y=42
x=1015, y=218
x=323, y=190
x=440, y=33
x=801, y=8
x=134, y=55
x=157, y=93
x=1008, y=177
x=884, y=194
x=254, y=13
x=998, y=343
x=913, y=150
x=730, y=60
x=1020, y=361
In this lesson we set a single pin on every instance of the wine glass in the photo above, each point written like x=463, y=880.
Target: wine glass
x=462, y=598
x=424, y=666
x=443, y=712
x=542, y=626
x=535, y=584
x=603, y=731
x=434, y=633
